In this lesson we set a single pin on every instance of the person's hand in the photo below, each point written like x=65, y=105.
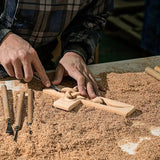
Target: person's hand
x=19, y=59
x=73, y=65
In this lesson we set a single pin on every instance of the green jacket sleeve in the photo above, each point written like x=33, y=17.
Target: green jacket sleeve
x=3, y=32
x=85, y=31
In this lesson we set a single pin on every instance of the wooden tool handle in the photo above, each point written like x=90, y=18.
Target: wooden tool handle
x=157, y=68
x=5, y=102
x=30, y=106
x=152, y=72
x=19, y=109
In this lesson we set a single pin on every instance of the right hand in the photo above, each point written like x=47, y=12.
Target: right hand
x=20, y=59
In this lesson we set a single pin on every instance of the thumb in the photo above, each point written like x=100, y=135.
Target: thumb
x=58, y=75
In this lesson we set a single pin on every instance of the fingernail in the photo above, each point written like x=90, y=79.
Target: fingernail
x=11, y=75
x=102, y=89
x=48, y=84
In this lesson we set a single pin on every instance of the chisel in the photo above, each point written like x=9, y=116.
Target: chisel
x=19, y=114
x=6, y=109
x=30, y=109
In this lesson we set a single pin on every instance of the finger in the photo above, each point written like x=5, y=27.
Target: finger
x=28, y=72
x=58, y=75
x=40, y=70
x=9, y=69
x=92, y=81
x=95, y=85
x=17, y=65
x=90, y=90
x=81, y=82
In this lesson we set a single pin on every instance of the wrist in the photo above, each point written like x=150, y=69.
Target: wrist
x=74, y=54
x=6, y=36
x=77, y=49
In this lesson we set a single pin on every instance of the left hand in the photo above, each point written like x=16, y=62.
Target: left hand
x=73, y=65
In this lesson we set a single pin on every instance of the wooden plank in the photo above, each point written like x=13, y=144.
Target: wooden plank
x=132, y=20
x=121, y=4
x=140, y=15
x=131, y=65
x=152, y=72
x=122, y=25
x=138, y=29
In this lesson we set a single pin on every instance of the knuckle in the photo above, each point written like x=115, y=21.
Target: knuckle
x=14, y=60
x=23, y=55
x=21, y=52
x=81, y=78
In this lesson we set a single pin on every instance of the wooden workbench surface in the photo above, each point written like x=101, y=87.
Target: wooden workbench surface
x=132, y=65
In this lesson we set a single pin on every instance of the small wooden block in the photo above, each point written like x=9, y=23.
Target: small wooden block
x=66, y=104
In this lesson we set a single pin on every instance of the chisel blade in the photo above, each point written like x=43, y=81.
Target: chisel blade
x=51, y=86
x=9, y=129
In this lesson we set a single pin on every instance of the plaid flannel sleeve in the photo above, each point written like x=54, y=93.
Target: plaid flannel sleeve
x=85, y=31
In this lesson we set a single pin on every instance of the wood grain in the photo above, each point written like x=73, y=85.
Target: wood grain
x=30, y=106
x=19, y=109
x=152, y=72
x=5, y=102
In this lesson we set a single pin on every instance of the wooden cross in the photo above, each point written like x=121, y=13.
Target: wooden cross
x=70, y=98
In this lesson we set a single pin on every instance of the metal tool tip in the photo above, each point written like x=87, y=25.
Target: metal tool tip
x=30, y=132
x=15, y=137
x=9, y=129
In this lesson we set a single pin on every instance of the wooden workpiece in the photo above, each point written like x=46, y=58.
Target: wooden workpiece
x=53, y=92
x=152, y=72
x=121, y=110
x=67, y=102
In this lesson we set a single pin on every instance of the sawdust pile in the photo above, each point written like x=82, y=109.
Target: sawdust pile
x=88, y=133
